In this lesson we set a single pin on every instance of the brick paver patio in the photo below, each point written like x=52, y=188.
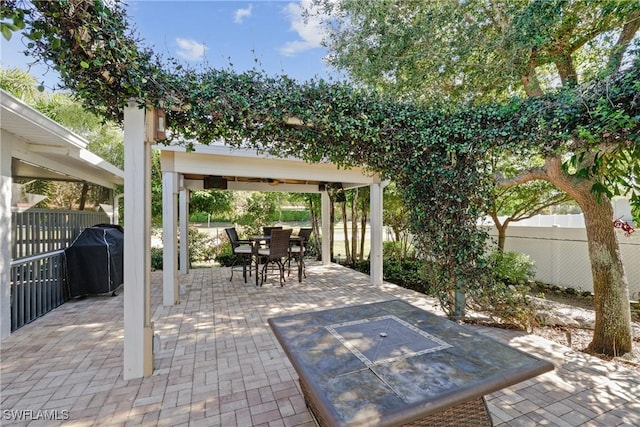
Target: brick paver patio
x=219, y=364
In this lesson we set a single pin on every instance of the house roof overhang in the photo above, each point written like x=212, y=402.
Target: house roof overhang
x=244, y=169
x=44, y=149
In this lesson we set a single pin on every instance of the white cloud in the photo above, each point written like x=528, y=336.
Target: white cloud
x=190, y=49
x=311, y=32
x=240, y=14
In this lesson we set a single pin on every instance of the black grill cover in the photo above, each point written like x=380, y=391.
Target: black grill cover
x=95, y=261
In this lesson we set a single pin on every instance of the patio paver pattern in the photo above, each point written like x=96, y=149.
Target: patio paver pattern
x=219, y=364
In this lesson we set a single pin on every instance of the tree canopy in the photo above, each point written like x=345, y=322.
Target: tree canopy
x=450, y=52
x=477, y=51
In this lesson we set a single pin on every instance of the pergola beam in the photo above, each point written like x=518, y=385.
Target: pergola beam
x=223, y=161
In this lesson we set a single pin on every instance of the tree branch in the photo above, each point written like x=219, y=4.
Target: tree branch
x=566, y=69
x=525, y=176
x=629, y=30
x=560, y=198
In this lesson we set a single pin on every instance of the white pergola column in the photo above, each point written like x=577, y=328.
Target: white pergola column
x=138, y=328
x=326, y=228
x=183, y=207
x=5, y=237
x=170, y=294
x=375, y=208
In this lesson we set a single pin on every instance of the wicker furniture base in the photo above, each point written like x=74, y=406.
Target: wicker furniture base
x=473, y=413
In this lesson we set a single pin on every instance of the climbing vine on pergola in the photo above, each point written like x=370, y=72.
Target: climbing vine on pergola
x=437, y=156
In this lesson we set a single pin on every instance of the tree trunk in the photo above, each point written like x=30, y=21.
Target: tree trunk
x=566, y=70
x=83, y=195
x=332, y=232
x=628, y=32
x=529, y=80
x=354, y=227
x=613, y=333
x=502, y=230
x=316, y=229
x=363, y=228
x=345, y=227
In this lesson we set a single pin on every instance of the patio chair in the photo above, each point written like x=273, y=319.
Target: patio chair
x=277, y=250
x=297, y=250
x=267, y=230
x=242, y=249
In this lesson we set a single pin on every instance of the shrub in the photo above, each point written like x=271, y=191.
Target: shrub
x=508, y=304
x=226, y=259
x=507, y=297
x=290, y=216
x=198, y=217
x=436, y=277
x=202, y=247
x=225, y=256
x=204, y=217
x=314, y=251
x=406, y=273
x=402, y=273
x=156, y=258
x=398, y=250
x=512, y=268
x=362, y=266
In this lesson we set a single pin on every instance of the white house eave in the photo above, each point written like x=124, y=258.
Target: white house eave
x=55, y=133
x=41, y=142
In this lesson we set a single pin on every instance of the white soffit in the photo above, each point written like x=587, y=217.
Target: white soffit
x=44, y=149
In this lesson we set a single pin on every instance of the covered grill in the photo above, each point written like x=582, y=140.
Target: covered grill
x=95, y=261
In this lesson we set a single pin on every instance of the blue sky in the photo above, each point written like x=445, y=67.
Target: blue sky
x=217, y=34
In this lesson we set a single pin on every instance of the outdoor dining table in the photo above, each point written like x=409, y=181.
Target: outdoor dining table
x=263, y=239
x=391, y=363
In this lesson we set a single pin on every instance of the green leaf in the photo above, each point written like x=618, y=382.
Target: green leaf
x=6, y=31
x=84, y=64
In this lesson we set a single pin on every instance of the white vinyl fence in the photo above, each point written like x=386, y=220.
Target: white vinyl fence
x=561, y=255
